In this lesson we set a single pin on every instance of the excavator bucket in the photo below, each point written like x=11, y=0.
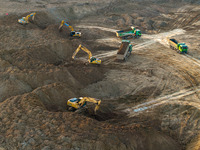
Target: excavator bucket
x=33, y=18
x=97, y=106
x=61, y=25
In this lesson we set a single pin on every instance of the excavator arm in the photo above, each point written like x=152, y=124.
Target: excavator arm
x=64, y=23
x=72, y=29
x=88, y=52
x=92, y=100
x=27, y=17
x=80, y=47
x=31, y=15
x=76, y=51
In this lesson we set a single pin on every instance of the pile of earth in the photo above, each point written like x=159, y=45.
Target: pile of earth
x=38, y=77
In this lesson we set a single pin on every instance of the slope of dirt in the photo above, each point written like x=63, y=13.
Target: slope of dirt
x=149, y=102
x=195, y=145
x=36, y=128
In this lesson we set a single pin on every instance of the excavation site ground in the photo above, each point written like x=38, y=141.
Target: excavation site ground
x=151, y=101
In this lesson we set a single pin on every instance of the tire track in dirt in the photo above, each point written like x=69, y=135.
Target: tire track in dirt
x=160, y=86
x=164, y=42
x=192, y=59
x=137, y=47
x=163, y=100
x=185, y=19
x=97, y=27
x=167, y=99
x=186, y=56
x=161, y=38
x=154, y=38
x=191, y=79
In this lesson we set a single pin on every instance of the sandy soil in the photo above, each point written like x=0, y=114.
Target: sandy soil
x=149, y=102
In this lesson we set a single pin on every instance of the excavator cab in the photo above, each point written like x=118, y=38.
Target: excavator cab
x=94, y=60
x=72, y=33
x=74, y=102
x=23, y=21
x=78, y=103
x=77, y=34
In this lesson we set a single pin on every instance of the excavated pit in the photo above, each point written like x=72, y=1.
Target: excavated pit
x=38, y=77
x=105, y=113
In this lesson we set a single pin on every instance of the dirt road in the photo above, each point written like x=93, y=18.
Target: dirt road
x=172, y=98
x=149, y=102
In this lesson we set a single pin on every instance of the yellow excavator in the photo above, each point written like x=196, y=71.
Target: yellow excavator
x=25, y=20
x=72, y=33
x=78, y=103
x=91, y=60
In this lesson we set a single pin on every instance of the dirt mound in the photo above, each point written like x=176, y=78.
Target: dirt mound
x=32, y=123
x=194, y=145
x=87, y=75
x=10, y=19
x=170, y=1
x=38, y=76
x=106, y=112
x=54, y=96
x=181, y=123
x=43, y=20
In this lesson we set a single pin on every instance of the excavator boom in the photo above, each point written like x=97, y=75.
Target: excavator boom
x=31, y=15
x=73, y=33
x=91, y=59
x=72, y=29
x=87, y=51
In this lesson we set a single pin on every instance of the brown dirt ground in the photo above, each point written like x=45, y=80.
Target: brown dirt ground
x=38, y=77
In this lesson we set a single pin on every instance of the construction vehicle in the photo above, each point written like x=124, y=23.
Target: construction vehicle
x=78, y=103
x=179, y=47
x=125, y=50
x=91, y=60
x=72, y=33
x=25, y=20
x=129, y=33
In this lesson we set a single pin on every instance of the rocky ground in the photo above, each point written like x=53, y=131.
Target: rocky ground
x=149, y=102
